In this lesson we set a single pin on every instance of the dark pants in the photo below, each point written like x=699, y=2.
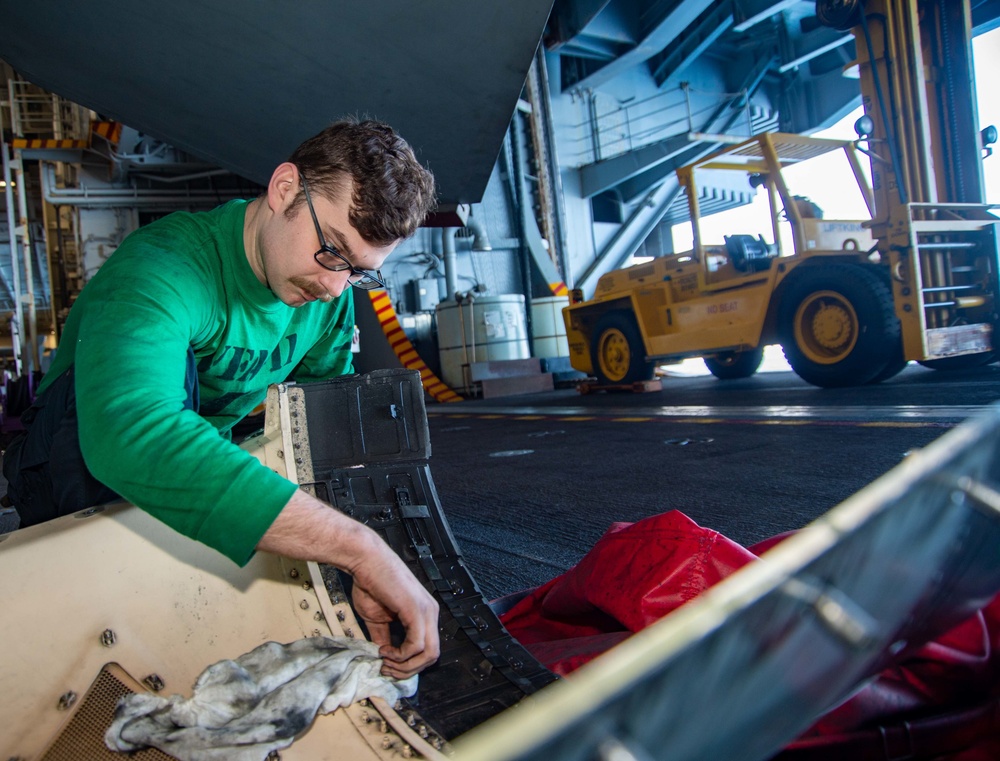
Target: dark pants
x=45, y=472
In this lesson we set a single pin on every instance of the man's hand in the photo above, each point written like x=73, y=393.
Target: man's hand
x=385, y=592
x=384, y=588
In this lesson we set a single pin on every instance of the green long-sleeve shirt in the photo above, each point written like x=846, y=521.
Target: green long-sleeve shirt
x=184, y=281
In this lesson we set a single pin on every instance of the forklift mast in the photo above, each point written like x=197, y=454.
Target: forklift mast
x=921, y=96
x=922, y=134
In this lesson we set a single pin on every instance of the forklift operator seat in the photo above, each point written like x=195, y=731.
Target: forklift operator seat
x=749, y=254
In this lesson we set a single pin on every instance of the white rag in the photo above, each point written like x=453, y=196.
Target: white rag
x=242, y=710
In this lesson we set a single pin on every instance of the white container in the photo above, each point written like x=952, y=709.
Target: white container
x=486, y=329
x=548, y=327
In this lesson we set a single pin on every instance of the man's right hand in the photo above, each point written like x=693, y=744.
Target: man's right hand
x=384, y=591
x=384, y=588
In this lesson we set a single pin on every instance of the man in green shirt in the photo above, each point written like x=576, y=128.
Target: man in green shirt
x=177, y=338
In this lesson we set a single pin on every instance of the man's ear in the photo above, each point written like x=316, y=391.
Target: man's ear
x=283, y=187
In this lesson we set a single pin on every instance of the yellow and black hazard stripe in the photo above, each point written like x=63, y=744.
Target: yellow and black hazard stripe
x=20, y=143
x=559, y=289
x=405, y=350
x=110, y=131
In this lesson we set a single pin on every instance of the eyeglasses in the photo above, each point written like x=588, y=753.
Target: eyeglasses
x=333, y=260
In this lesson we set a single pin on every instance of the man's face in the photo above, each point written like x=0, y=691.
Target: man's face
x=289, y=249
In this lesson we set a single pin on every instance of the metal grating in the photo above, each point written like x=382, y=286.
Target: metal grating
x=83, y=735
x=788, y=149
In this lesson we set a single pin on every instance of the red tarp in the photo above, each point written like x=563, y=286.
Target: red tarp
x=639, y=572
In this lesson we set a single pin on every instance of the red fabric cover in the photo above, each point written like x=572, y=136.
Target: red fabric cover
x=637, y=573
x=633, y=576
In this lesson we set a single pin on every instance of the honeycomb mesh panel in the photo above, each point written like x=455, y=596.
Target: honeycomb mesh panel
x=83, y=735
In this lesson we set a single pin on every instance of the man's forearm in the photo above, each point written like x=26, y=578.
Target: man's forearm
x=384, y=588
x=307, y=529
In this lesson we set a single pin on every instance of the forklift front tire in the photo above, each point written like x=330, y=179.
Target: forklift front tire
x=838, y=326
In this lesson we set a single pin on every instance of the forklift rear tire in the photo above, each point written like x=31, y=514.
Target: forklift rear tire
x=618, y=351
x=733, y=365
x=895, y=367
x=838, y=326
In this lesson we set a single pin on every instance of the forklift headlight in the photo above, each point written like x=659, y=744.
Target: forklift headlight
x=864, y=126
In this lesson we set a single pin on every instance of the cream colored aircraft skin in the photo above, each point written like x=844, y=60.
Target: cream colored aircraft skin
x=113, y=585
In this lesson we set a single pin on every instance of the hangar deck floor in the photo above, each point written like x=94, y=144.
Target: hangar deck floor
x=529, y=483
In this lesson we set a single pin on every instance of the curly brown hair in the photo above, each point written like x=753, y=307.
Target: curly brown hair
x=391, y=192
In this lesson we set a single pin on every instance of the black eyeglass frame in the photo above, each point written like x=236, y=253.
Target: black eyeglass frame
x=368, y=280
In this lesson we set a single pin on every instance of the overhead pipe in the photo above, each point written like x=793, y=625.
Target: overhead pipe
x=113, y=197
x=480, y=240
x=182, y=177
x=449, y=257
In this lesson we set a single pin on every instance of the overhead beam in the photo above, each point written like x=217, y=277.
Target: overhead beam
x=985, y=16
x=631, y=189
x=661, y=35
x=806, y=57
x=668, y=67
x=631, y=234
x=568, y=20
x=591, y=48
x=600, y=176
x=772, y=9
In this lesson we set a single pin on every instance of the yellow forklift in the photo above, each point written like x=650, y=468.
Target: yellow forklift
x=856, y=299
